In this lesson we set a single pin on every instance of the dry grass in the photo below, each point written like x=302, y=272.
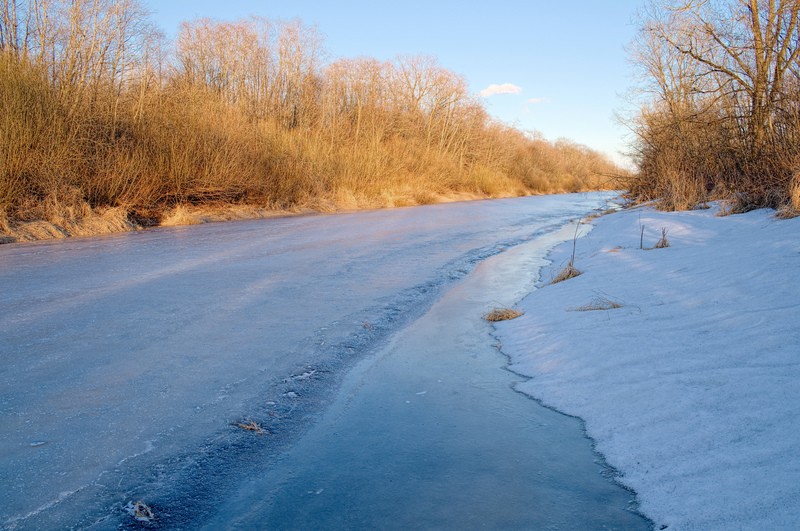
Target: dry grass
x=792, y=209
x=140, y=511
x=252, y=426
x=570, y=271
x=502, y=314
x=600, y=214
x=663, y=242
x=181, y=215
x=565, y=274
x=100, y=221
x=599, y=302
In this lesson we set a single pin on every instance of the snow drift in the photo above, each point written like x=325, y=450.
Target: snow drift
x=690, y=381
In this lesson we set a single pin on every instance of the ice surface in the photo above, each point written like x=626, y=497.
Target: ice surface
x=427, y=434
x=692, y=388
x=126, y=359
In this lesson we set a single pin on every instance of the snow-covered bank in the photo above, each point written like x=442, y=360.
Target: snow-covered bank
x=691, y=389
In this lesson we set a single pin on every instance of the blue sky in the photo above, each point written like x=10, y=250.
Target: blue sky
x=567, y=58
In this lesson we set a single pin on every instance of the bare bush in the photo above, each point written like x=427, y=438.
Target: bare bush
x=721, y=118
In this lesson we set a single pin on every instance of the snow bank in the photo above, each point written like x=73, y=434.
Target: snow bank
x=691, y=389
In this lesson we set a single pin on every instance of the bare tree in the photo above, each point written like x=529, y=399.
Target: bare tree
x=356, y=92
x=270, y=68
x=746, y=46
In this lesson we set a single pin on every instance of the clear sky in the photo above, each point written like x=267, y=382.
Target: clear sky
x=565, y=59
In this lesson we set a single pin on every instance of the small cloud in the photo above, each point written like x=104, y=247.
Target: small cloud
x=505, y=88
x=537, y=100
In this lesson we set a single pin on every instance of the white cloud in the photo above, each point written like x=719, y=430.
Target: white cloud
x=537, y=100
x=505, y=88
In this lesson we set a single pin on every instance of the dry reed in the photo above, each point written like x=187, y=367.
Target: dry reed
x=663, y=242
x=502, y=314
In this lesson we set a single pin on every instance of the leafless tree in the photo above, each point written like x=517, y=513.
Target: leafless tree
x=722, y=76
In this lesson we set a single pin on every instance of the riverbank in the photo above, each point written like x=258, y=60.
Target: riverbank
x=683, y=361
x=103, y=221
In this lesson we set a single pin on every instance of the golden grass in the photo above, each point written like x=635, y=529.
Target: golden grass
x=96, y=222
x=788, y=212
x=181, y=215
x=792, y=209
x=502, y=314
x=565, y=274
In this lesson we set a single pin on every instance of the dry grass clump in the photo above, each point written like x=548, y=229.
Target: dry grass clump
x=788, y=212
x=181, y=215
x=252, y=426
x=570, y=271
x=502, y=314
x=99, y=221
x=140, y=511
x=599, y=302
x=36, y=230
x=567, y=273
x=792, y=209
x=663, y=242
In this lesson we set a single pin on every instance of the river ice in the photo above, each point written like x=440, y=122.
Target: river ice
x=128, y=361
x=426, y=433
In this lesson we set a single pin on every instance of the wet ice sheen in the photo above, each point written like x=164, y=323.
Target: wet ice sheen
x=125, y=359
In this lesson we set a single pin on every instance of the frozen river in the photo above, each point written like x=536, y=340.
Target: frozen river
x=129, y=361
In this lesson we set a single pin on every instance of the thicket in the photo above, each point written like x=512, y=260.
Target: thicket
x=99, y=113
x=722, y=113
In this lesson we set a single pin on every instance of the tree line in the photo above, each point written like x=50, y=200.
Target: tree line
x=100, y=112
x=722, y=112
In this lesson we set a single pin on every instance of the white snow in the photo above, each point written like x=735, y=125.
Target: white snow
x=691, y=389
